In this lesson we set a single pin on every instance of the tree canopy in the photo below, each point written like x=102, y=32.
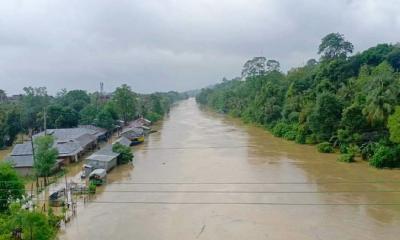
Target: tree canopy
x=342, y=100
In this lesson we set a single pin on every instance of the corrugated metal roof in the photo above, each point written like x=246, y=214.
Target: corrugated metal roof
x=69, y=148
x=124, y=141
x=101, y=158
x=22, y=149
x=107, y=150
x=64, y=134
x=21, y=161
x=86, y=139
x=133, y=133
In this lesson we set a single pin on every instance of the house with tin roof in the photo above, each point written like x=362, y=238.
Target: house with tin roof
x=71, y=144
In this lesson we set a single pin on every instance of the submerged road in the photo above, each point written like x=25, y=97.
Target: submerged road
x=206, y=176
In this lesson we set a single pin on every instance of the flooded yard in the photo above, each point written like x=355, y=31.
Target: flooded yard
x=206, y=176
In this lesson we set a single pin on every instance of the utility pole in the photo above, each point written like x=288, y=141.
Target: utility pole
x=45, y=121
x=33, y=156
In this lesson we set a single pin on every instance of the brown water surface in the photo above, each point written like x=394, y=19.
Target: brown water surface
x=206, y=176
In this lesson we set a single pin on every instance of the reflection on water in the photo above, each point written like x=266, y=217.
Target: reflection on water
x=207, y=176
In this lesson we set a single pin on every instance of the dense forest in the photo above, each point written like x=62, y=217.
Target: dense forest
x=342, y=102
x=28, y=112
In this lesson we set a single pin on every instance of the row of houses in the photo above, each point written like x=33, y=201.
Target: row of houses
x=71, y=144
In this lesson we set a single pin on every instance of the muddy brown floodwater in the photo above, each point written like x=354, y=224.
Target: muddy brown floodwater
x=206, y=176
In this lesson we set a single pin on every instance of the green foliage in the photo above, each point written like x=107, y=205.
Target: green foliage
x=334, y=45
x=346, y=100
x=32, y=224
x=92, y=188
x=347, y=157
x=381, y=90
x=104, y=120
x=285, y=130
x=75, y=99
x=45, y=155
x=11, y=186
x=394, y=126
x=325, y=118
x=61, y=117
x=152, y=116
x=301, y=135
x=10, y=124
x=88, y=115
x=33, y=103
x=125, y=152
x=125, y=102
x=325, y=147
x=385, y=156
x=353, y=119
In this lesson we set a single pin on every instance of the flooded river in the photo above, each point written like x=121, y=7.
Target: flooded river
x=206, y=176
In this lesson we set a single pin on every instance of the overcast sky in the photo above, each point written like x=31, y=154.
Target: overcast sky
x=161, y=45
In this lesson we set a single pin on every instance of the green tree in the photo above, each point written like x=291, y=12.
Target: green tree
x=125, y=102
x=76, y=99
x=11, y=186
x=394, y=58
x=45, y=156
x=254, y=67
x=125, y=152
x=60, y=117
x=333, y=46
x=34, y=224
x=381, y=90
x=33, y=102
x=104, y=120
x=325, y=118
x=3, y=96
x=394, y=126
x=88, y=115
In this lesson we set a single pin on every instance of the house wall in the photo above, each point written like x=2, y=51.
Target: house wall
x=104, y=165
x=24, y=171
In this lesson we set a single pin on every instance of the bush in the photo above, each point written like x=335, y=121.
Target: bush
x=384, y=156
x=347, y=157
x=343, y=148
x=301, y=135
x=367, y=150
x=125, y=153
x=285, y=130
x=311, y=139
x=153, y=117
x=92, y=188
x=325, y=147
x=290, y=135
x=280, y=129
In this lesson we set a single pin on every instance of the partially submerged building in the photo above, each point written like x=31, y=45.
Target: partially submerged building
x=135, y=135
x=21, y=159
x=104, y=158
x=71, y=144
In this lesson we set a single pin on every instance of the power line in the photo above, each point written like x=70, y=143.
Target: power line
x=228, y=191
x=225, y=203
x=246, y=183
x=252, y=183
